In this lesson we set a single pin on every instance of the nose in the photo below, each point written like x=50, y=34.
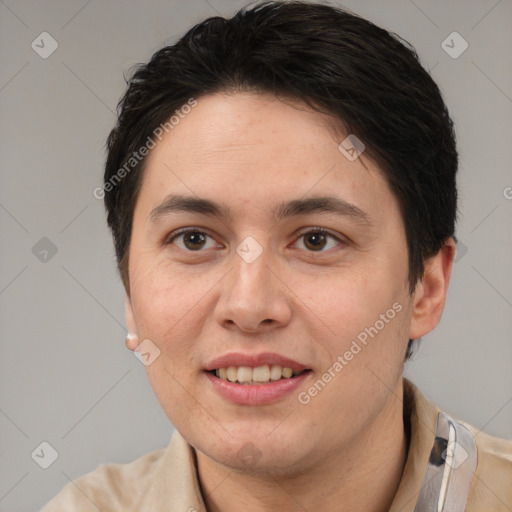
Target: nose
x=254, y=297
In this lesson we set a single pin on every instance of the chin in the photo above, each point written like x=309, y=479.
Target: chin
x=254, y=452
x=253, y=459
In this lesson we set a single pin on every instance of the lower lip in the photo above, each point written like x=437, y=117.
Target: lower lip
x=256, y=394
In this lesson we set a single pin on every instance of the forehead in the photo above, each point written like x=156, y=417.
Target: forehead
x=244, y=122
x=253, y=149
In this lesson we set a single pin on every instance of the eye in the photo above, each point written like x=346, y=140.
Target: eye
x=316, y=239
x=193, y=239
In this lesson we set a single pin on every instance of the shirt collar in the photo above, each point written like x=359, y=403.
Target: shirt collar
x=422, y=416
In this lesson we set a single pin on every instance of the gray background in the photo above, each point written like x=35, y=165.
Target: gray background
x=65, y=374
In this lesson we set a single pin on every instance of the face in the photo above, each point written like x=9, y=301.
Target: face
x=274, y=277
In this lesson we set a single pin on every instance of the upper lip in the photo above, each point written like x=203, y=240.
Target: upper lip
x=253, y=360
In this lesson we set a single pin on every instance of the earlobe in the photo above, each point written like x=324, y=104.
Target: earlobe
x=132, y=340
x=430, y=294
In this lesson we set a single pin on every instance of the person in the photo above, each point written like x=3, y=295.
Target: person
x=281, y=190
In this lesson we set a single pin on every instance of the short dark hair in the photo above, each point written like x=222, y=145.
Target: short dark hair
x=333, y=60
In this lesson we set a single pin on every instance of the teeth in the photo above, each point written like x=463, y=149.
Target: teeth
x=244, y=374
x=261, y=374
x=287, y=373
x=258, y=375
x=275, y=372
x=231, y=373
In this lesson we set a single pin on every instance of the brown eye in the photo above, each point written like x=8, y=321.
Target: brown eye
x=192, y=240
x=316, y=240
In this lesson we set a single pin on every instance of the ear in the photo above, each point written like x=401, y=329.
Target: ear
x=132, y=340
x=429, y=297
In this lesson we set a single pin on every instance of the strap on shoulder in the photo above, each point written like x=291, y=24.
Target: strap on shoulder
x=450, y=469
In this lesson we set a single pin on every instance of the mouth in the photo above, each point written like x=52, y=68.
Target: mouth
x=255, y=379
x=259, y=375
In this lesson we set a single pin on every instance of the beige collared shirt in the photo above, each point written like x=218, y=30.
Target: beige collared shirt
x=166, y=479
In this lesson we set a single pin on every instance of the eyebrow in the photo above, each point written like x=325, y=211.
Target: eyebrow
x=296, y=207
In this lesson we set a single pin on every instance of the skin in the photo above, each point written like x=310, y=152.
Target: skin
x=251, y=152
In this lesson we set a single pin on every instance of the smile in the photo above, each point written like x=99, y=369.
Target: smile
x=253, y=376
x=255, y=379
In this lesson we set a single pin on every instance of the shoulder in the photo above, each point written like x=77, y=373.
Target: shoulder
x=110, y=487
x=492, y=484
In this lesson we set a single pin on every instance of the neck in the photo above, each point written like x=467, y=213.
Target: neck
x=364, y=476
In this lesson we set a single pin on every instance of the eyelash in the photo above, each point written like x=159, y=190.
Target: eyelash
x=315, y=230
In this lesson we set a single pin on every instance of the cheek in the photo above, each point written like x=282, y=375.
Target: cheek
x=165, y=303
x=366, y=312
x=166, y=307
x=353, y=299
